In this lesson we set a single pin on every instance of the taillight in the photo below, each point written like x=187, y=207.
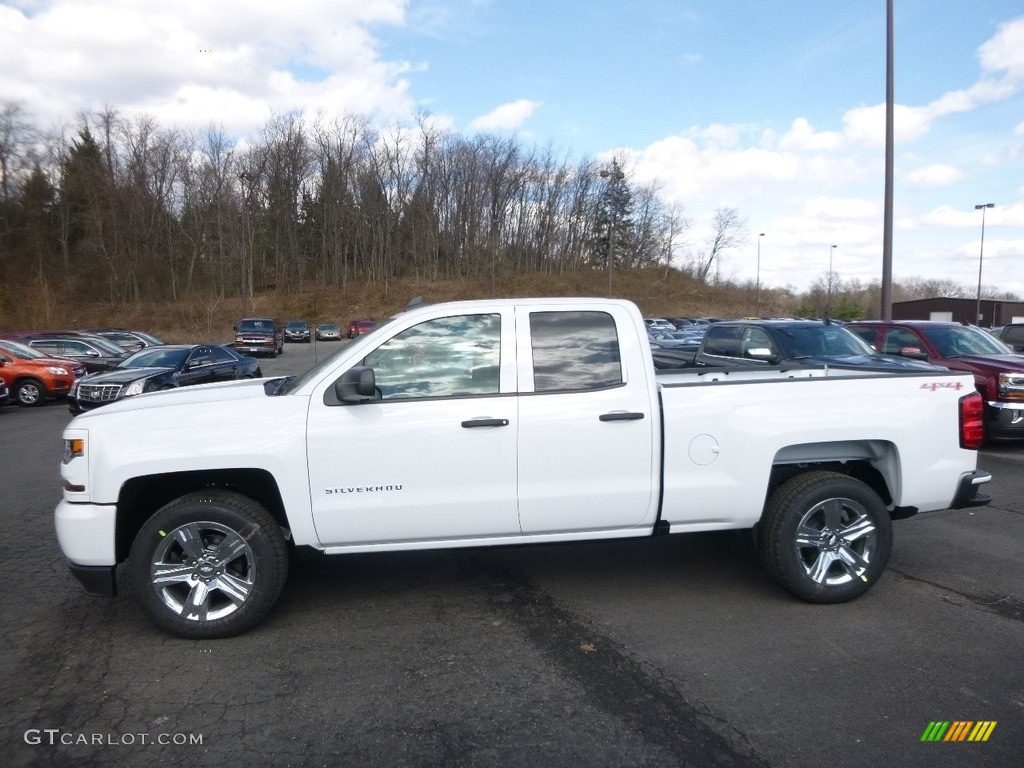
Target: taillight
x=972, y=421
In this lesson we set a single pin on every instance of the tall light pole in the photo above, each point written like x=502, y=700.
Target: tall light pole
x=757, y=290
x=981, y=255
x=828, y=305
x=887, y=215
x=613, y=175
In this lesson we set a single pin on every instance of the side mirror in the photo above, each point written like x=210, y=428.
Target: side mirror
x=761, y=353
x=914, y=353
x=234, y=328
x=356, y=385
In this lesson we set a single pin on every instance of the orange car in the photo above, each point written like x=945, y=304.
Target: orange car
x=32, y=377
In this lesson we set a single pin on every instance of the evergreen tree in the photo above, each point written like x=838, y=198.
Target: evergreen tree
x=614, y=219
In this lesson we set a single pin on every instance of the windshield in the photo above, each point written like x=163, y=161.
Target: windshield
x=261, y=326
x=297, y=324
x=329, y=327
x=106, y=346
x=152, y=341
x=957, y=340
x=174, y=357
x=20, y=350
x=820, y=341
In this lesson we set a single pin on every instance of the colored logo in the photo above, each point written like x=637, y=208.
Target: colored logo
x=958, y=730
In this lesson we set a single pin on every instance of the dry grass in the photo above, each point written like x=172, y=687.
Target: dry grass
x=210, y=318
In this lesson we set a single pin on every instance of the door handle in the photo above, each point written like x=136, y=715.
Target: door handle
x=485, y=423
x=620, y=416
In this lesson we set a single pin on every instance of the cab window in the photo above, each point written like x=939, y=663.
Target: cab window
x=456, y=356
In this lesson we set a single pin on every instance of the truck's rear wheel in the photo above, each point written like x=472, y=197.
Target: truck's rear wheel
x=826, y=537
x=210, y=564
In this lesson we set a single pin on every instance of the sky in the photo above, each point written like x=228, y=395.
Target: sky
x=773, y=108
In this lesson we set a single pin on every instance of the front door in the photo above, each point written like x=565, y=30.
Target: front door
x=434, y=457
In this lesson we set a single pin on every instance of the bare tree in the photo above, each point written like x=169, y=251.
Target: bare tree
x=728, y=231
x=16, y=137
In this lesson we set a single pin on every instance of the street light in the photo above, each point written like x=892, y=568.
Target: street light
x=828, y=305
x=981, y=255
x=757, y=290
x=615, y=174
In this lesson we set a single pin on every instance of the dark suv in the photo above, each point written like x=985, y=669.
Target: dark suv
x=792, y=342
x=1011, y=335
x=94, y=352
x=259, y=336
x=297, y=330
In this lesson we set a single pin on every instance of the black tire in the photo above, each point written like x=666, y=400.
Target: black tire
x=221, y=560
x=30, y=392
x=825, y=537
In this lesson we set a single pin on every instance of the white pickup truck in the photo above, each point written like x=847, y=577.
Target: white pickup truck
x=504, y=422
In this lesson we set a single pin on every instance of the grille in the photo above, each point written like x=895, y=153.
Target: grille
x=99, y=393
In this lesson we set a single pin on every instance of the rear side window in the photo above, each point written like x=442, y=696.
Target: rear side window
x=574, y=351
x=896, y=339
x=723, y=341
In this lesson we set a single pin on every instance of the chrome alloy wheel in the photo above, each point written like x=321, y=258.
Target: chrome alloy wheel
x=836, y=541
x=203, y=571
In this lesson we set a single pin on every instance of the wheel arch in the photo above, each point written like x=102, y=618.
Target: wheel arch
x=141, y=497
x=876, y=463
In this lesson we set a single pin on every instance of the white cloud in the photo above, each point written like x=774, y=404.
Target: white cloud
x=507, y=116
x=866, y=125
x=934, y=175
x=801, y=137
x=1005, y=51
x=227, y=61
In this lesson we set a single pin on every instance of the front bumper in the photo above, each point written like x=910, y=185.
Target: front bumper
x=86, y=532
x=251, y=347
x=1004, y=421
x=98, y=580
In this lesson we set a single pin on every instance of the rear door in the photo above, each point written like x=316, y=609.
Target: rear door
x=589, y=422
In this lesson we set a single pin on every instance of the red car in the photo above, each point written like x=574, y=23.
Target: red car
x=359, y=327
x=32, y=377
x=998, y=373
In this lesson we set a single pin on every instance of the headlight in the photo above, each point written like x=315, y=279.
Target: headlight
x=1011, y=386
x=73, y=448
x=135, y=388
x=57, y=370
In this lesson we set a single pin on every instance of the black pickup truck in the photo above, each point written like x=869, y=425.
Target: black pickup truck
x=750, y=343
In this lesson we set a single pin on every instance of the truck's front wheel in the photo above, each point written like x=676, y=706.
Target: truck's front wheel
x=210, y=564
x=826, y=537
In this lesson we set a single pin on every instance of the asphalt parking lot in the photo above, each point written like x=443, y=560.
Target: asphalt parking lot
x=671, y=651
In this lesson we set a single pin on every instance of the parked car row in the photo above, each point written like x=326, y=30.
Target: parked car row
x=90, y=370
x=267, y=336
